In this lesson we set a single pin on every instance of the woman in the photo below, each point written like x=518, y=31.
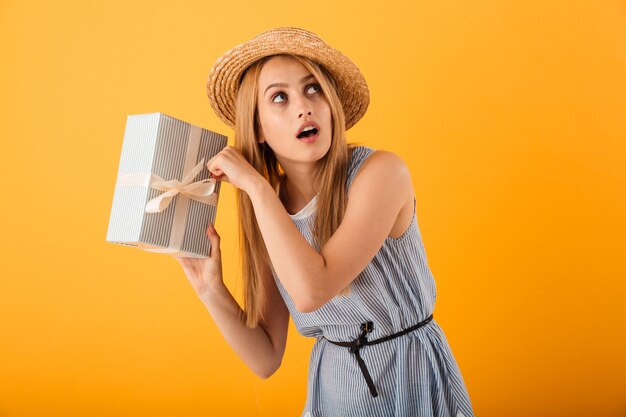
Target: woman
x=328, y=234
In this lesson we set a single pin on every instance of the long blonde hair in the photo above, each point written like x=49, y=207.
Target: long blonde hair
x=329, y=181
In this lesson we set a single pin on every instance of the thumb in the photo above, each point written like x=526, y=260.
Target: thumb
x=215, y=239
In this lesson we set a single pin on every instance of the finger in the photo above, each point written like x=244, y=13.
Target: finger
x=215, y=241
x=219, y=177
x=211, y=161
x=215, y=167
x=216, y=172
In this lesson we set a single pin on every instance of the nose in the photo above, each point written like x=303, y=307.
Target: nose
x=303, y=106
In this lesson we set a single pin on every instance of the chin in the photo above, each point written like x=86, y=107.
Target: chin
x=323, y=146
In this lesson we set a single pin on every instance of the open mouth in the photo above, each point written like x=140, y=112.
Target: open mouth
x=309, y=131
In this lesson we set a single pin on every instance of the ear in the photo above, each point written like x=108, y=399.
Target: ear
x=261, y=138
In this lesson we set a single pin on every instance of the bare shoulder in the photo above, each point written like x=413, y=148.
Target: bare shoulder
x=383, y=168
x=384, y=176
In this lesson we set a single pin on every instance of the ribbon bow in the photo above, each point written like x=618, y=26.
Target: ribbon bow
x=202, y=191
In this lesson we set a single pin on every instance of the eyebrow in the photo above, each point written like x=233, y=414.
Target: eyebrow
x=286, y=85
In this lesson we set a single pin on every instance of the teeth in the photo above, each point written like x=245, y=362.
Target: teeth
x=306, y=129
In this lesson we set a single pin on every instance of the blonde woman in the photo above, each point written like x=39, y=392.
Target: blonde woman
x=328, y=234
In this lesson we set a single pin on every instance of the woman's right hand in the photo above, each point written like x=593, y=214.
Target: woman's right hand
x=205, y=274
x=230, y=166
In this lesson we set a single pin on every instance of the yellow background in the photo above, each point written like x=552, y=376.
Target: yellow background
x=510, y=115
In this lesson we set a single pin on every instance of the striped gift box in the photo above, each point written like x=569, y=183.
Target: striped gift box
x=164, y=197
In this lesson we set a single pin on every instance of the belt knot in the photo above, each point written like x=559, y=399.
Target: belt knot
x=362, y=339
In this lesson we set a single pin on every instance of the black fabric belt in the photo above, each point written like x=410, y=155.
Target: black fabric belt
x=355, y=345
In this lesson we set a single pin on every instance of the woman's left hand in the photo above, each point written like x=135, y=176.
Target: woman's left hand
x=230, y=166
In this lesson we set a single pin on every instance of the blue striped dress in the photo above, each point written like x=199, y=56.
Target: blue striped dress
x=415, y=374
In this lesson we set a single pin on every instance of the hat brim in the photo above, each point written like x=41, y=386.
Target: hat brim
x=225, y=75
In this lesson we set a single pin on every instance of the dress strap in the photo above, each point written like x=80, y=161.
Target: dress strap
x=357, y=159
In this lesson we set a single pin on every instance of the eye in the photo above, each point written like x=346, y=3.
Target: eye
x=314, y=88
x=275, y=96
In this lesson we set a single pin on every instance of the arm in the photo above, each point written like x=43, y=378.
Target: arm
x=260, y=348
x=312, y=278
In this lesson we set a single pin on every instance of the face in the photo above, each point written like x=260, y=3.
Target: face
x=290, y=100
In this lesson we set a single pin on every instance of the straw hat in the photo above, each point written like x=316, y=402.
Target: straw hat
x=225, y=75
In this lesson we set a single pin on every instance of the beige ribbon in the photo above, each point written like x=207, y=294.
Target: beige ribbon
x=202, y=191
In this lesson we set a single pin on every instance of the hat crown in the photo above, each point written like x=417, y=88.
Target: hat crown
x=288, y=30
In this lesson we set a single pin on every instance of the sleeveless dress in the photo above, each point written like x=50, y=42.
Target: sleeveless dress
x=415, y=374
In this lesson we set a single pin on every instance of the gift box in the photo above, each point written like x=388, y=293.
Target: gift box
x=164, y=197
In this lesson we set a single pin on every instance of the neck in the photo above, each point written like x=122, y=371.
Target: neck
x=298, y=188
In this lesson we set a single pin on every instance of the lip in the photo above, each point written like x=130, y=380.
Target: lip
x=310, y=139
x=305, y=125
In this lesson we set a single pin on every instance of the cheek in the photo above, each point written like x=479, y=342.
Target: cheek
x=263, y=118
x=271, y=124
